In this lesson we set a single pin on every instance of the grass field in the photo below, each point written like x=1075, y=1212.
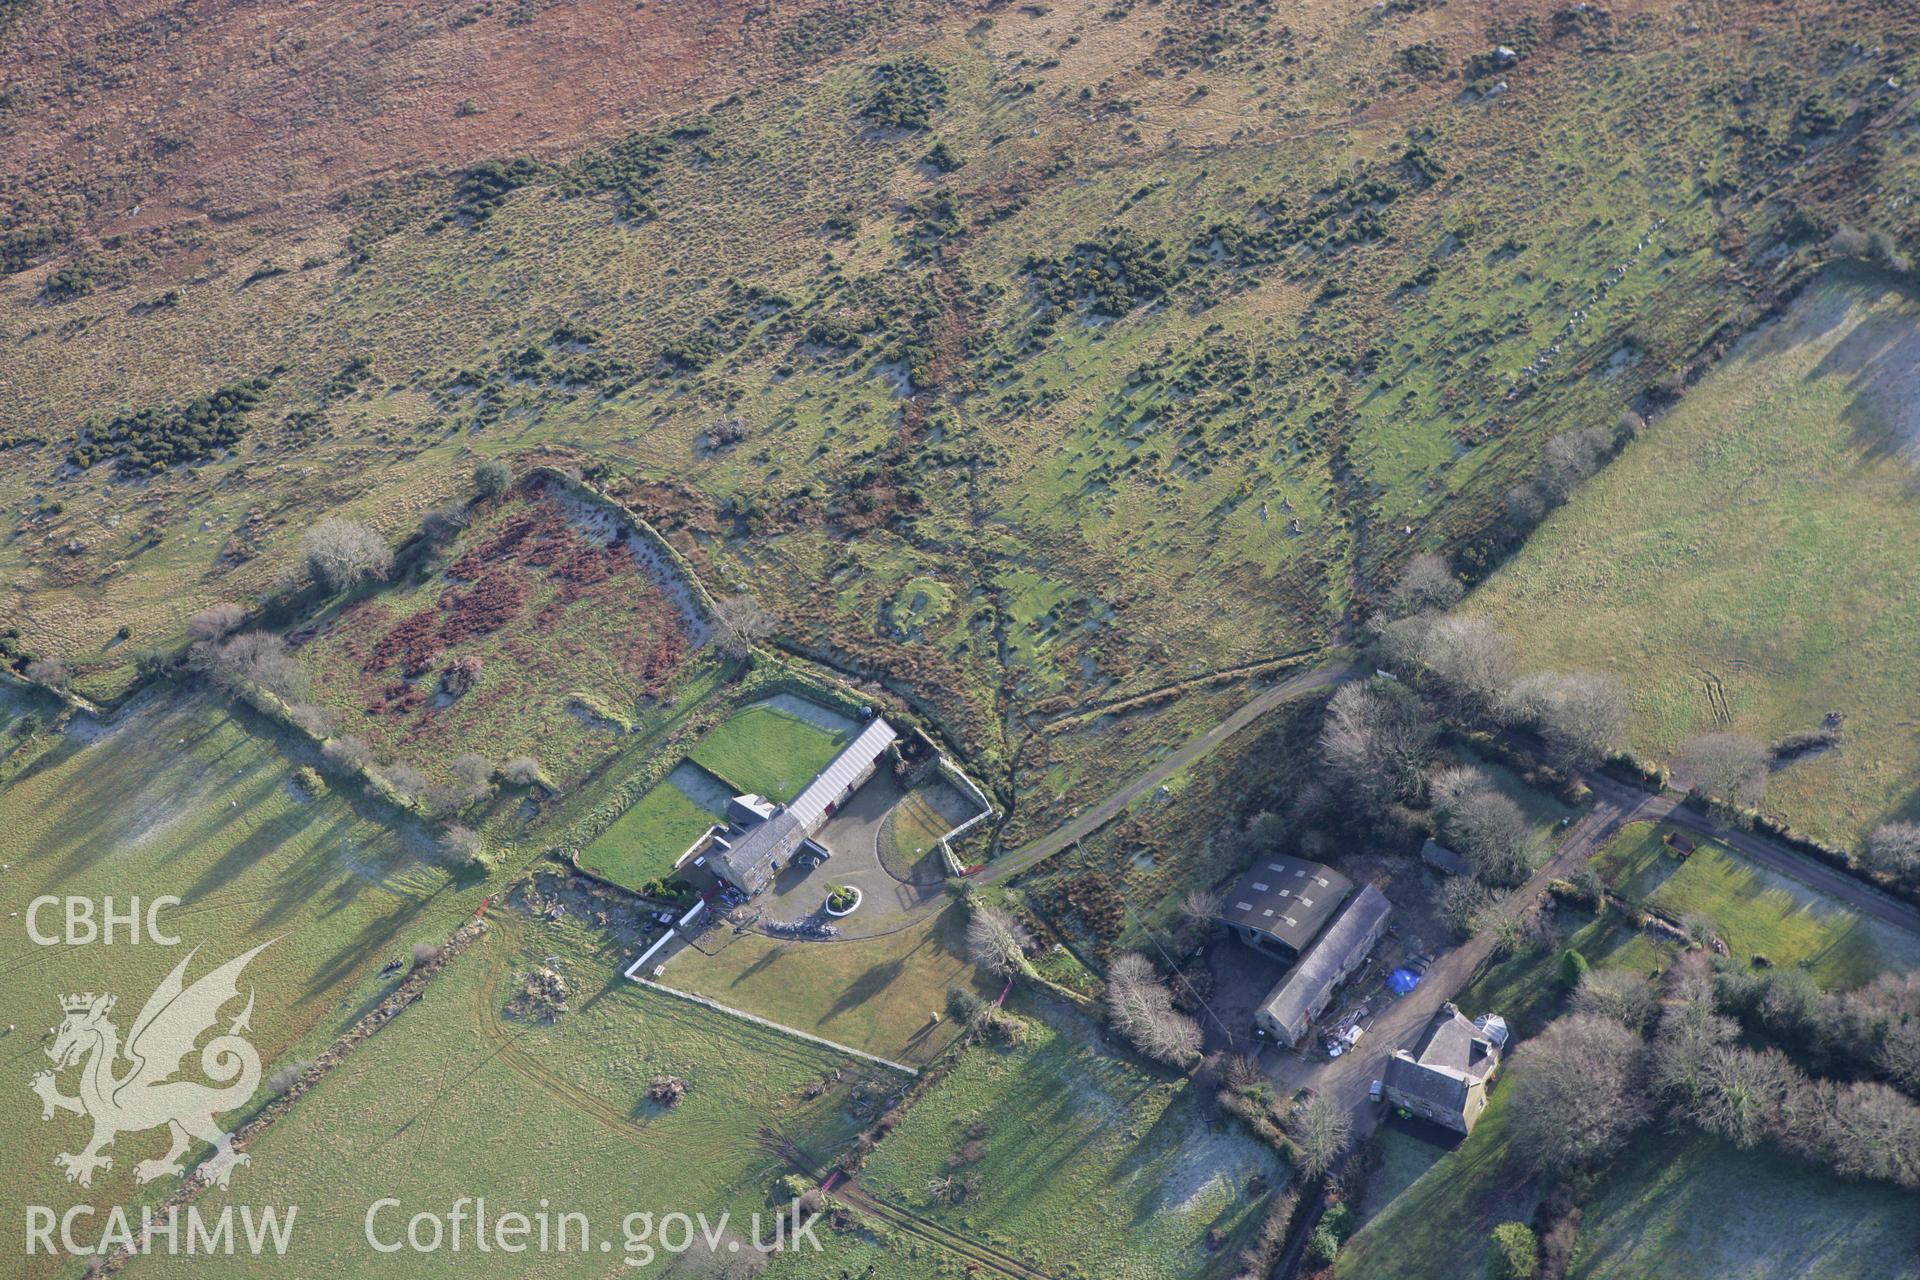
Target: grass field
x=643, y=842
x=1674, y=1204
x=522, y=1112
x=924, y=815
x=877, y=995
x=1748, y=564
x=769, y=751
x=1525, y=988
x=1755, y=911
x=1088, y=1165
x=1689, y=1205
x=181, y=799
x=1439, y=1225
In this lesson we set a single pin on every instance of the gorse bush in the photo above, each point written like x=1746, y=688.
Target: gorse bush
x=149, y=441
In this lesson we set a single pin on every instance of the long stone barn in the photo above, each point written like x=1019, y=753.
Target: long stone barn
x=761, y=838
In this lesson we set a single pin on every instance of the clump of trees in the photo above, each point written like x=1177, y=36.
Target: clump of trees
x=1426, y=585
x=1486, y=826
x=343, y=553
x=253, y=661
x=1141, y=1009
x=1585, y=1083
x=215, y=622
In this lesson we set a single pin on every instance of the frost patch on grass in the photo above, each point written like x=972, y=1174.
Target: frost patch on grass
x=1210, y=1171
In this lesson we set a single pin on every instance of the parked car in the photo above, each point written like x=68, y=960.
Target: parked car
x=1376, y=1091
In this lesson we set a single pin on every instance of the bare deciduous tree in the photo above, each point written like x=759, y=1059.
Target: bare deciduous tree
x=1378, y=738
x=742, y=622
x=1620, y=994
x=1570, y=459
x=1581, y=714
x=1466, y=663
x=1578, y=1091
x=463, y=846
x=997, y=942
x=340, y=553
x=1494, y=834
x=1322, y=1134
x=1201, y=906
x=1730, y=767
x=48, y=671
x=1426, y=585
x=521, y=771
x=474, y=773
x=1744, y=1094
x=1689, y=1030
x=1465, y=904
x=407, y=782
x=346, y=754
x=215, y=622
x=1894, y=847
x=1446, y=788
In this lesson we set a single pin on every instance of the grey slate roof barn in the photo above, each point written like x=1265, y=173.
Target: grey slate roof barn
x=1303, y=995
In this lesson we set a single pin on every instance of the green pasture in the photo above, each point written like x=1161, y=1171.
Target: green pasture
x=180, y=798
x=768, y=751
x=1748, y=566
x=523, y=1112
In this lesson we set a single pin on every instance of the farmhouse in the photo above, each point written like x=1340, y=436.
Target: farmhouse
x=761, y=837
x=1444, y=1079
x=1303, y=995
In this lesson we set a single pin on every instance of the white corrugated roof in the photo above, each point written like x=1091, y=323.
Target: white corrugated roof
x=810, y=806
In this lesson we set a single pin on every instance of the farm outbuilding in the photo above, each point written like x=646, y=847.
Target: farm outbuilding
x=1304, y=994
x=1441, y=858
x=1282, y=903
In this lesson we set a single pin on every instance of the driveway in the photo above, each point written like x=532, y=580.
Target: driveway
x=850, y=834
x=1091, y=820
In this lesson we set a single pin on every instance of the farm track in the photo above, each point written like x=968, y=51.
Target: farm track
x=965, y=1248
x=1092, y=819
x=977, y=1254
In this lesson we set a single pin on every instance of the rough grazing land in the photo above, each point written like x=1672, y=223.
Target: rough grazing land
x=1749, y=564
x=1193, y=323
x=542, y=634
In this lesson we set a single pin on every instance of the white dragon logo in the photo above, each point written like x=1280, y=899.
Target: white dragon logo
x=145, y=1096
